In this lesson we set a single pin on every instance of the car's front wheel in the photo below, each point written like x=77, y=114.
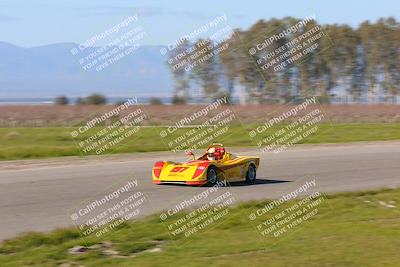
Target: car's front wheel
x=212, y=176
x=251, y=174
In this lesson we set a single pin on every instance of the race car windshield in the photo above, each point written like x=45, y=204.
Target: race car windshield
x=211, y=154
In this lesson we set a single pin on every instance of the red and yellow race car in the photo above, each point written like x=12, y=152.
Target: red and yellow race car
x=213, y=166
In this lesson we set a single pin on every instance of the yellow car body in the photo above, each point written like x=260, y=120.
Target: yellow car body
x=197, y=172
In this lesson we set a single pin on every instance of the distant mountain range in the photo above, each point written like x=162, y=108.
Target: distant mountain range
x=51, y=70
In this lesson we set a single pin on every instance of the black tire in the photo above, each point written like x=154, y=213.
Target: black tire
x=212, y=176
x=251, y=174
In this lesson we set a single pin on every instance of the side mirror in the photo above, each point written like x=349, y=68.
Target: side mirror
x=190, y=153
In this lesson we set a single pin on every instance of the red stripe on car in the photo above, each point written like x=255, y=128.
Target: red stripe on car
x=200, y=169
x=157, y=168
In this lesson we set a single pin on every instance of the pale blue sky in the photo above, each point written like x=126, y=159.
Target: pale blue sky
x=39, y=22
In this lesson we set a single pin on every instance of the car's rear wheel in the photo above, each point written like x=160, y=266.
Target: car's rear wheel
x=251, y=174
x=212, y=176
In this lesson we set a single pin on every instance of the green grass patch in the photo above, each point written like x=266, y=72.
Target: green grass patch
x=25, y=143
x=351, y=229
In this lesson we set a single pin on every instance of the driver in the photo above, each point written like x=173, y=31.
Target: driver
x=215, y=153
x=211, y=153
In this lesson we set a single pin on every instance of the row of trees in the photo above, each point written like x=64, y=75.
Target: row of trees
x=93, y=99
x=98, y=99
x=361, y=61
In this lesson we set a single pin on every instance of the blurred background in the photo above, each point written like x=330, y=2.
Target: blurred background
x=357, y=61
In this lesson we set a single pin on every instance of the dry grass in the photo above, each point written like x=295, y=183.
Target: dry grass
x=40, y=116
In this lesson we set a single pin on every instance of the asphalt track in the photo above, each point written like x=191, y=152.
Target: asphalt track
x=38, y=195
